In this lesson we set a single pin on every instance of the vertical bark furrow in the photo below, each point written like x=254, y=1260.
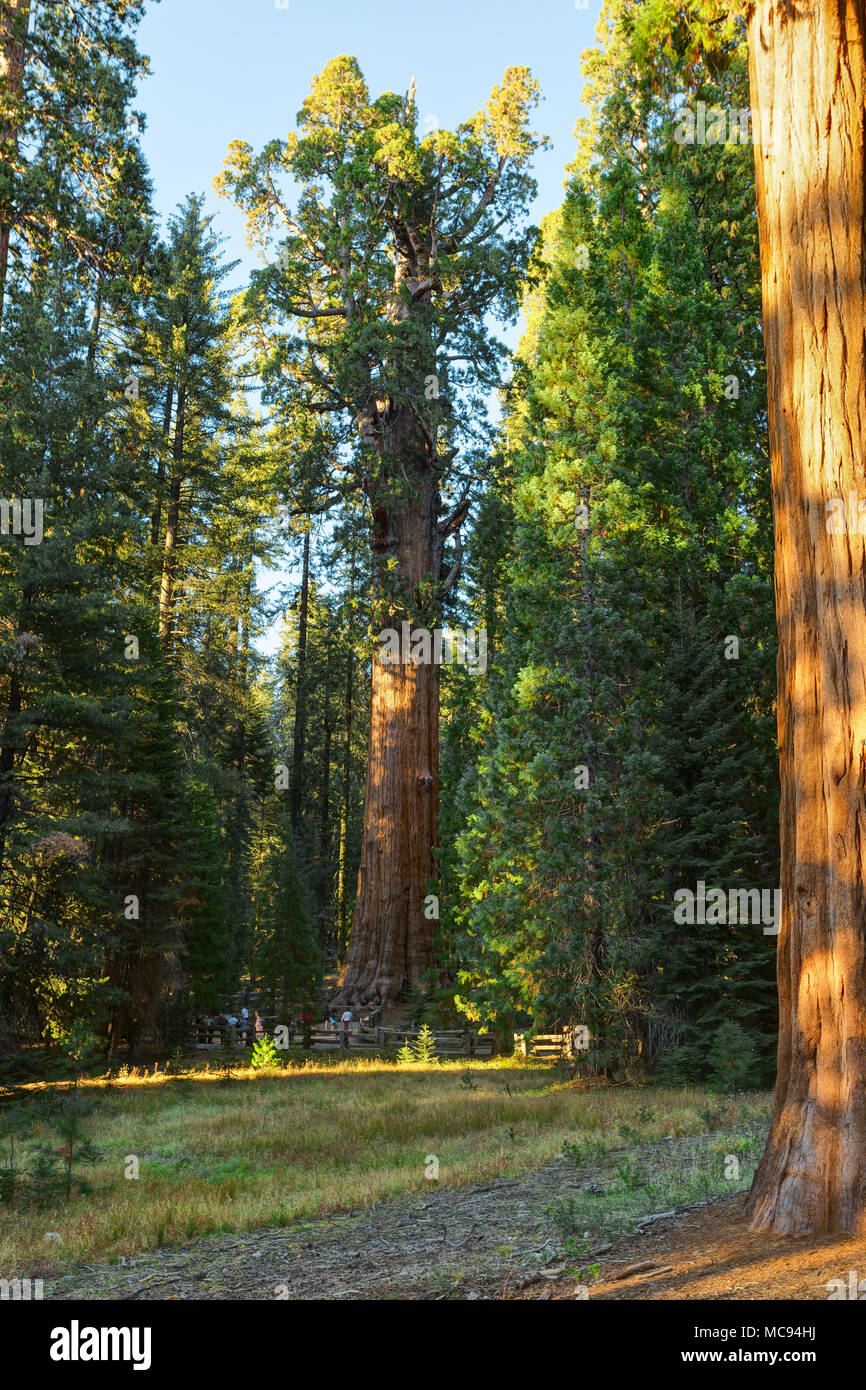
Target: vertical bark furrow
x=808, y=96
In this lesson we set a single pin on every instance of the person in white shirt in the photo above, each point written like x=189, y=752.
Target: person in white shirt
x=346, y=1020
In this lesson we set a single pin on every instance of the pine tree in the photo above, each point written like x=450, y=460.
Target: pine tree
x=287, y=952
x=67, y=76
x=622, y=755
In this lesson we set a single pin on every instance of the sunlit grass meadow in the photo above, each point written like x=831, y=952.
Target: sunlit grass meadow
x=271, y=1147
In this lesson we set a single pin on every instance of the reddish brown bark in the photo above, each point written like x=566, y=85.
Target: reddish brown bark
x=391, y=943
x=808, y=97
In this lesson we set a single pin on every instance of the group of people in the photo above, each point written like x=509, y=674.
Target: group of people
x=242, y=1022
x=331, y=1022
x=346, y=1018
x=303, y=1025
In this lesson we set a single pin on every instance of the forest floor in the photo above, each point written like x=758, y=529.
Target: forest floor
x=710, y=1253
x=487, y=1241
x=523, y=1237
x=379, y=1182
x=207, y=1157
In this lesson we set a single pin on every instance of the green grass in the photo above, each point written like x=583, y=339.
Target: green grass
x=271, y=1147
x=658, y=1177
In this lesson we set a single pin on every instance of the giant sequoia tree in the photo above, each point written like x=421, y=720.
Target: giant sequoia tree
x=808, y=75
x=397, y=252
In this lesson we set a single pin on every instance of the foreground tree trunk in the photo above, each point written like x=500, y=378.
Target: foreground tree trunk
x=348, y=716
x=808, y=96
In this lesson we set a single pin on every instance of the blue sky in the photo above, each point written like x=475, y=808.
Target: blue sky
x=239, y=69
x=228, y=70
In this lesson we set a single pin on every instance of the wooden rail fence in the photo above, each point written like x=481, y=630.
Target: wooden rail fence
x=546, y=1046
x=454, y=1042
x=448, y=1042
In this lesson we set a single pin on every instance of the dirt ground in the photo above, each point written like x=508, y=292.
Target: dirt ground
x=490, y=1241
x=711, y=1254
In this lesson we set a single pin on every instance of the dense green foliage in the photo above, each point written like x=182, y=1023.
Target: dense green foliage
x=180, y=818
x=140, y=738
x=626, y=746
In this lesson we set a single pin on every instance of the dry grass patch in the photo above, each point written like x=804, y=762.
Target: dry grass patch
x=268, y=1148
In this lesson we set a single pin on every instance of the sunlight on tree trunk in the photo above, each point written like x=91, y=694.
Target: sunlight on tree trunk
x=808, y=96
x=391, y=943
x=393, y=266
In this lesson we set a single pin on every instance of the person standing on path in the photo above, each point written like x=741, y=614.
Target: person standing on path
x=346, y=1020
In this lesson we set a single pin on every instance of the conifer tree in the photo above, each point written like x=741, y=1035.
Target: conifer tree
x=393, y=260
x=624, y=756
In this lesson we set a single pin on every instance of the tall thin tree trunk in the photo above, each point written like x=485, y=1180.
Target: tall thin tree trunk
x=10, y=739
x=299, y=740
x=14, y=24
x=96, y=324
x=325, y=804
x=7, y=760
x=245, y=648
x=169, y=558
x=232, y=602
x=156, y=515
x=808, y=86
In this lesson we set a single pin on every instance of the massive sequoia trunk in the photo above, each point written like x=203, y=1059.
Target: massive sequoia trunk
x=396, y=261
x=808, y=98
x=391, y=943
